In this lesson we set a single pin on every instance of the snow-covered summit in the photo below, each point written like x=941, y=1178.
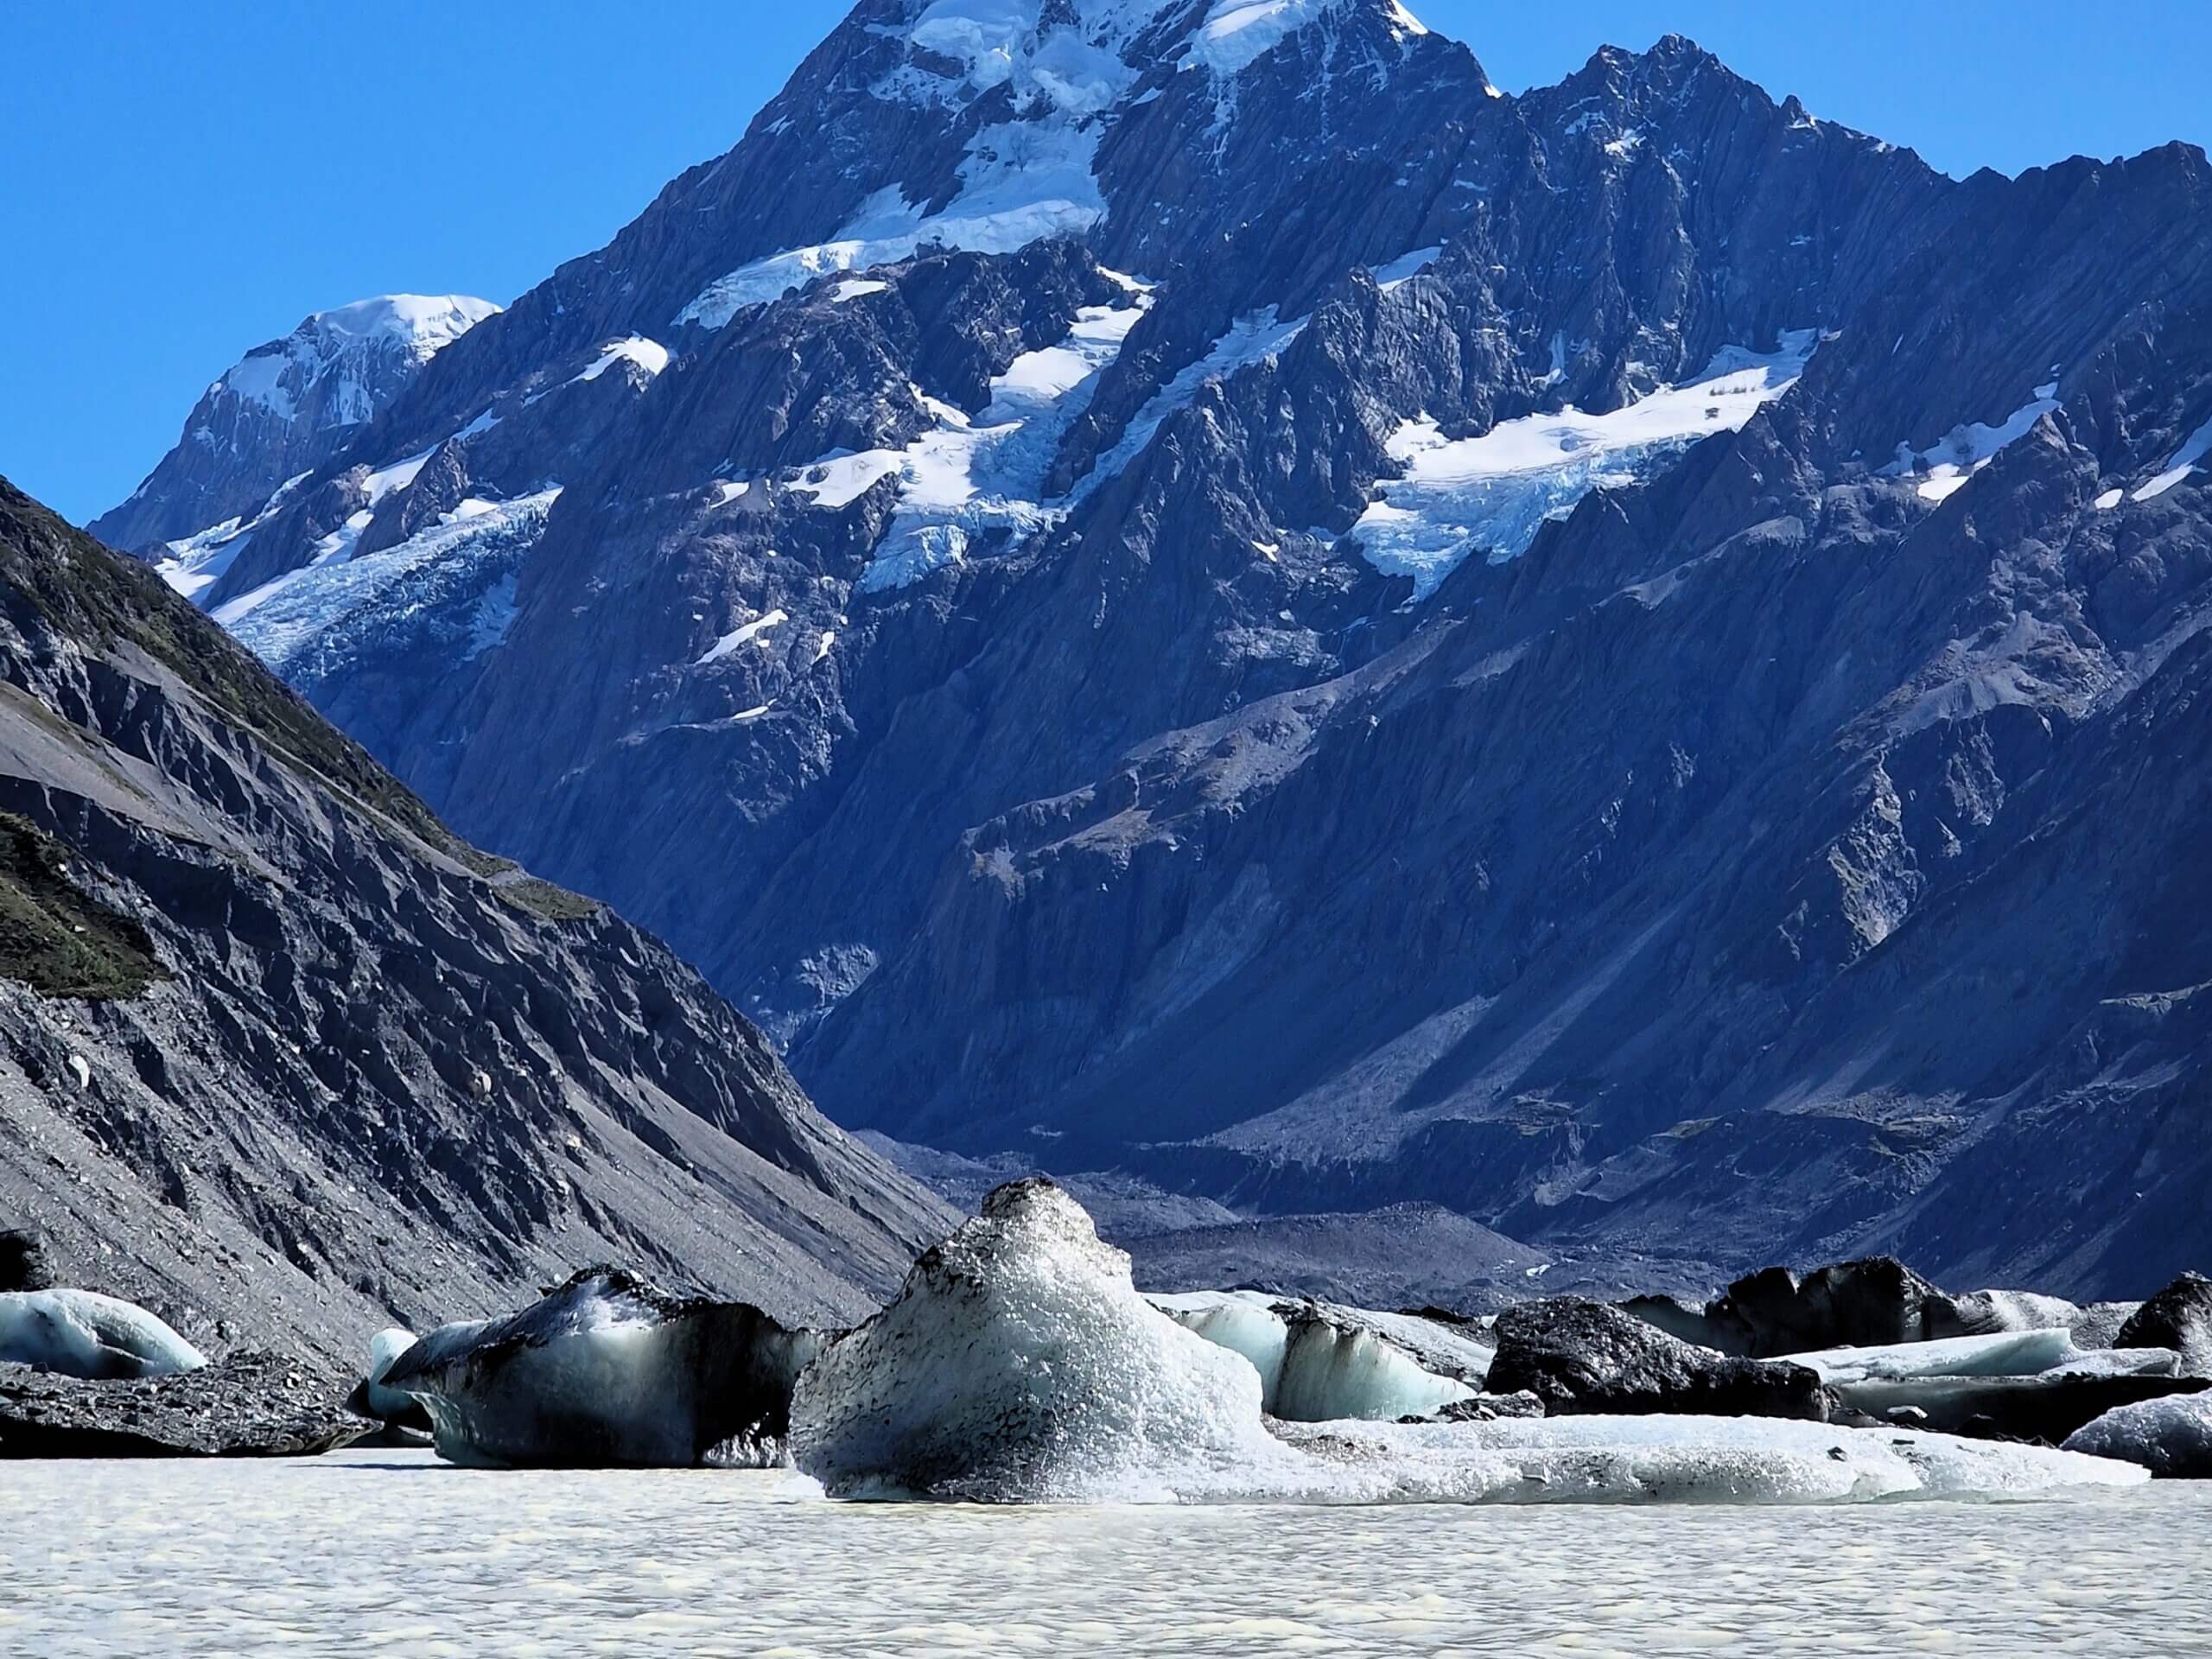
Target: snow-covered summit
x=342, y=353
x=1035, y=86
x=287, y=407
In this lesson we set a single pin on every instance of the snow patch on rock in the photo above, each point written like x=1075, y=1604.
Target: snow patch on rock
x=1491, y=494
x=1969, y=448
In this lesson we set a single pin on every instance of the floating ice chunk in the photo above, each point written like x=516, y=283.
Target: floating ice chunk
x=1680, y=1460
x=606, y=1371
x=1491, y=494
x=1018, y=1363
x=384, y=1351
x=2172, y=1437
x=81, y=1333
x=1318, y=1362
x=2020, y=1353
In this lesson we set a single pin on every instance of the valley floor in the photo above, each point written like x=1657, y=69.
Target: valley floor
x=392, y=1552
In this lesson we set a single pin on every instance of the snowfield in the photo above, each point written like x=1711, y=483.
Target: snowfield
x=1491, y=494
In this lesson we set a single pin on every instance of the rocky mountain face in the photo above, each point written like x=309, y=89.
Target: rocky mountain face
x=284, y=410
x=285, y=1060
x=1186, y=588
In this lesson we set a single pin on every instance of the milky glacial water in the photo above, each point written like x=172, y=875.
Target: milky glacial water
x=385, y=1553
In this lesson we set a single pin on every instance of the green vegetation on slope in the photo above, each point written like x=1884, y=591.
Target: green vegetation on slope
x=60, y=941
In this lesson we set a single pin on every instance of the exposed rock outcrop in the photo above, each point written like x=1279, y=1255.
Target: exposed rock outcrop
x=1581, y=1356
x=247, y=1405
x=286, y=1060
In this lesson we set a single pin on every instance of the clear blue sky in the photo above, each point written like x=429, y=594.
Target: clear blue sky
x=180, y=183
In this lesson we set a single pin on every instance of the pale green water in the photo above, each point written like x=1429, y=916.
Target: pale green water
x=393, y=1554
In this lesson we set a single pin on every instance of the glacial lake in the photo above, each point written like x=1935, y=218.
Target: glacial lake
x=394, y=1553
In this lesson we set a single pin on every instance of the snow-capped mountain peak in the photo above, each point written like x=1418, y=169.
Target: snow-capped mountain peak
x=339, y=365
x=285, y=408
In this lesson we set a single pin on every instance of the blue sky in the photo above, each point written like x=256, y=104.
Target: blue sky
x=180, y=183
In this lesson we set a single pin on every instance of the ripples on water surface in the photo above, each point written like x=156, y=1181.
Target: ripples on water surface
x=394, y=1554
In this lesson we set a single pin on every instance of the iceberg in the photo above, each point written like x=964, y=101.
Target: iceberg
x=2024, y=1353
x=385, y=1349
x=1019, y=1364
x=2172, y=1437
x=1682, y=1461
x=1318, y=1362
x=83, y=1334
x=607, y=1371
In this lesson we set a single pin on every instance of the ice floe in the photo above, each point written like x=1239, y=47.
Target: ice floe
x=1018, y=1364
x=83, y=1334
x=607, y=1371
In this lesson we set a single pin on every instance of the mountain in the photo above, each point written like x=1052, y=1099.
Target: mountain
x=1186, y=589
x=285, y=1060
x=281, y=412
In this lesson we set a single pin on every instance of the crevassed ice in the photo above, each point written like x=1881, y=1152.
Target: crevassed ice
x=1491, y=494
x=301, y=606
x=1968, y=447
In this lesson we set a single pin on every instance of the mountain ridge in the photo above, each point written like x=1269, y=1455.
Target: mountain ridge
x=1274, y=686
x=335, y=1067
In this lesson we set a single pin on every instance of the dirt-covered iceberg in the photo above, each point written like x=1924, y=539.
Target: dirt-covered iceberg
x=607, y=1371
x=1019, y=1364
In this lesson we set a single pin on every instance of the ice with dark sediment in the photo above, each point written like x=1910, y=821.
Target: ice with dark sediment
x=606, y=1370
x=2172, y=1437
x=1019, y=1364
